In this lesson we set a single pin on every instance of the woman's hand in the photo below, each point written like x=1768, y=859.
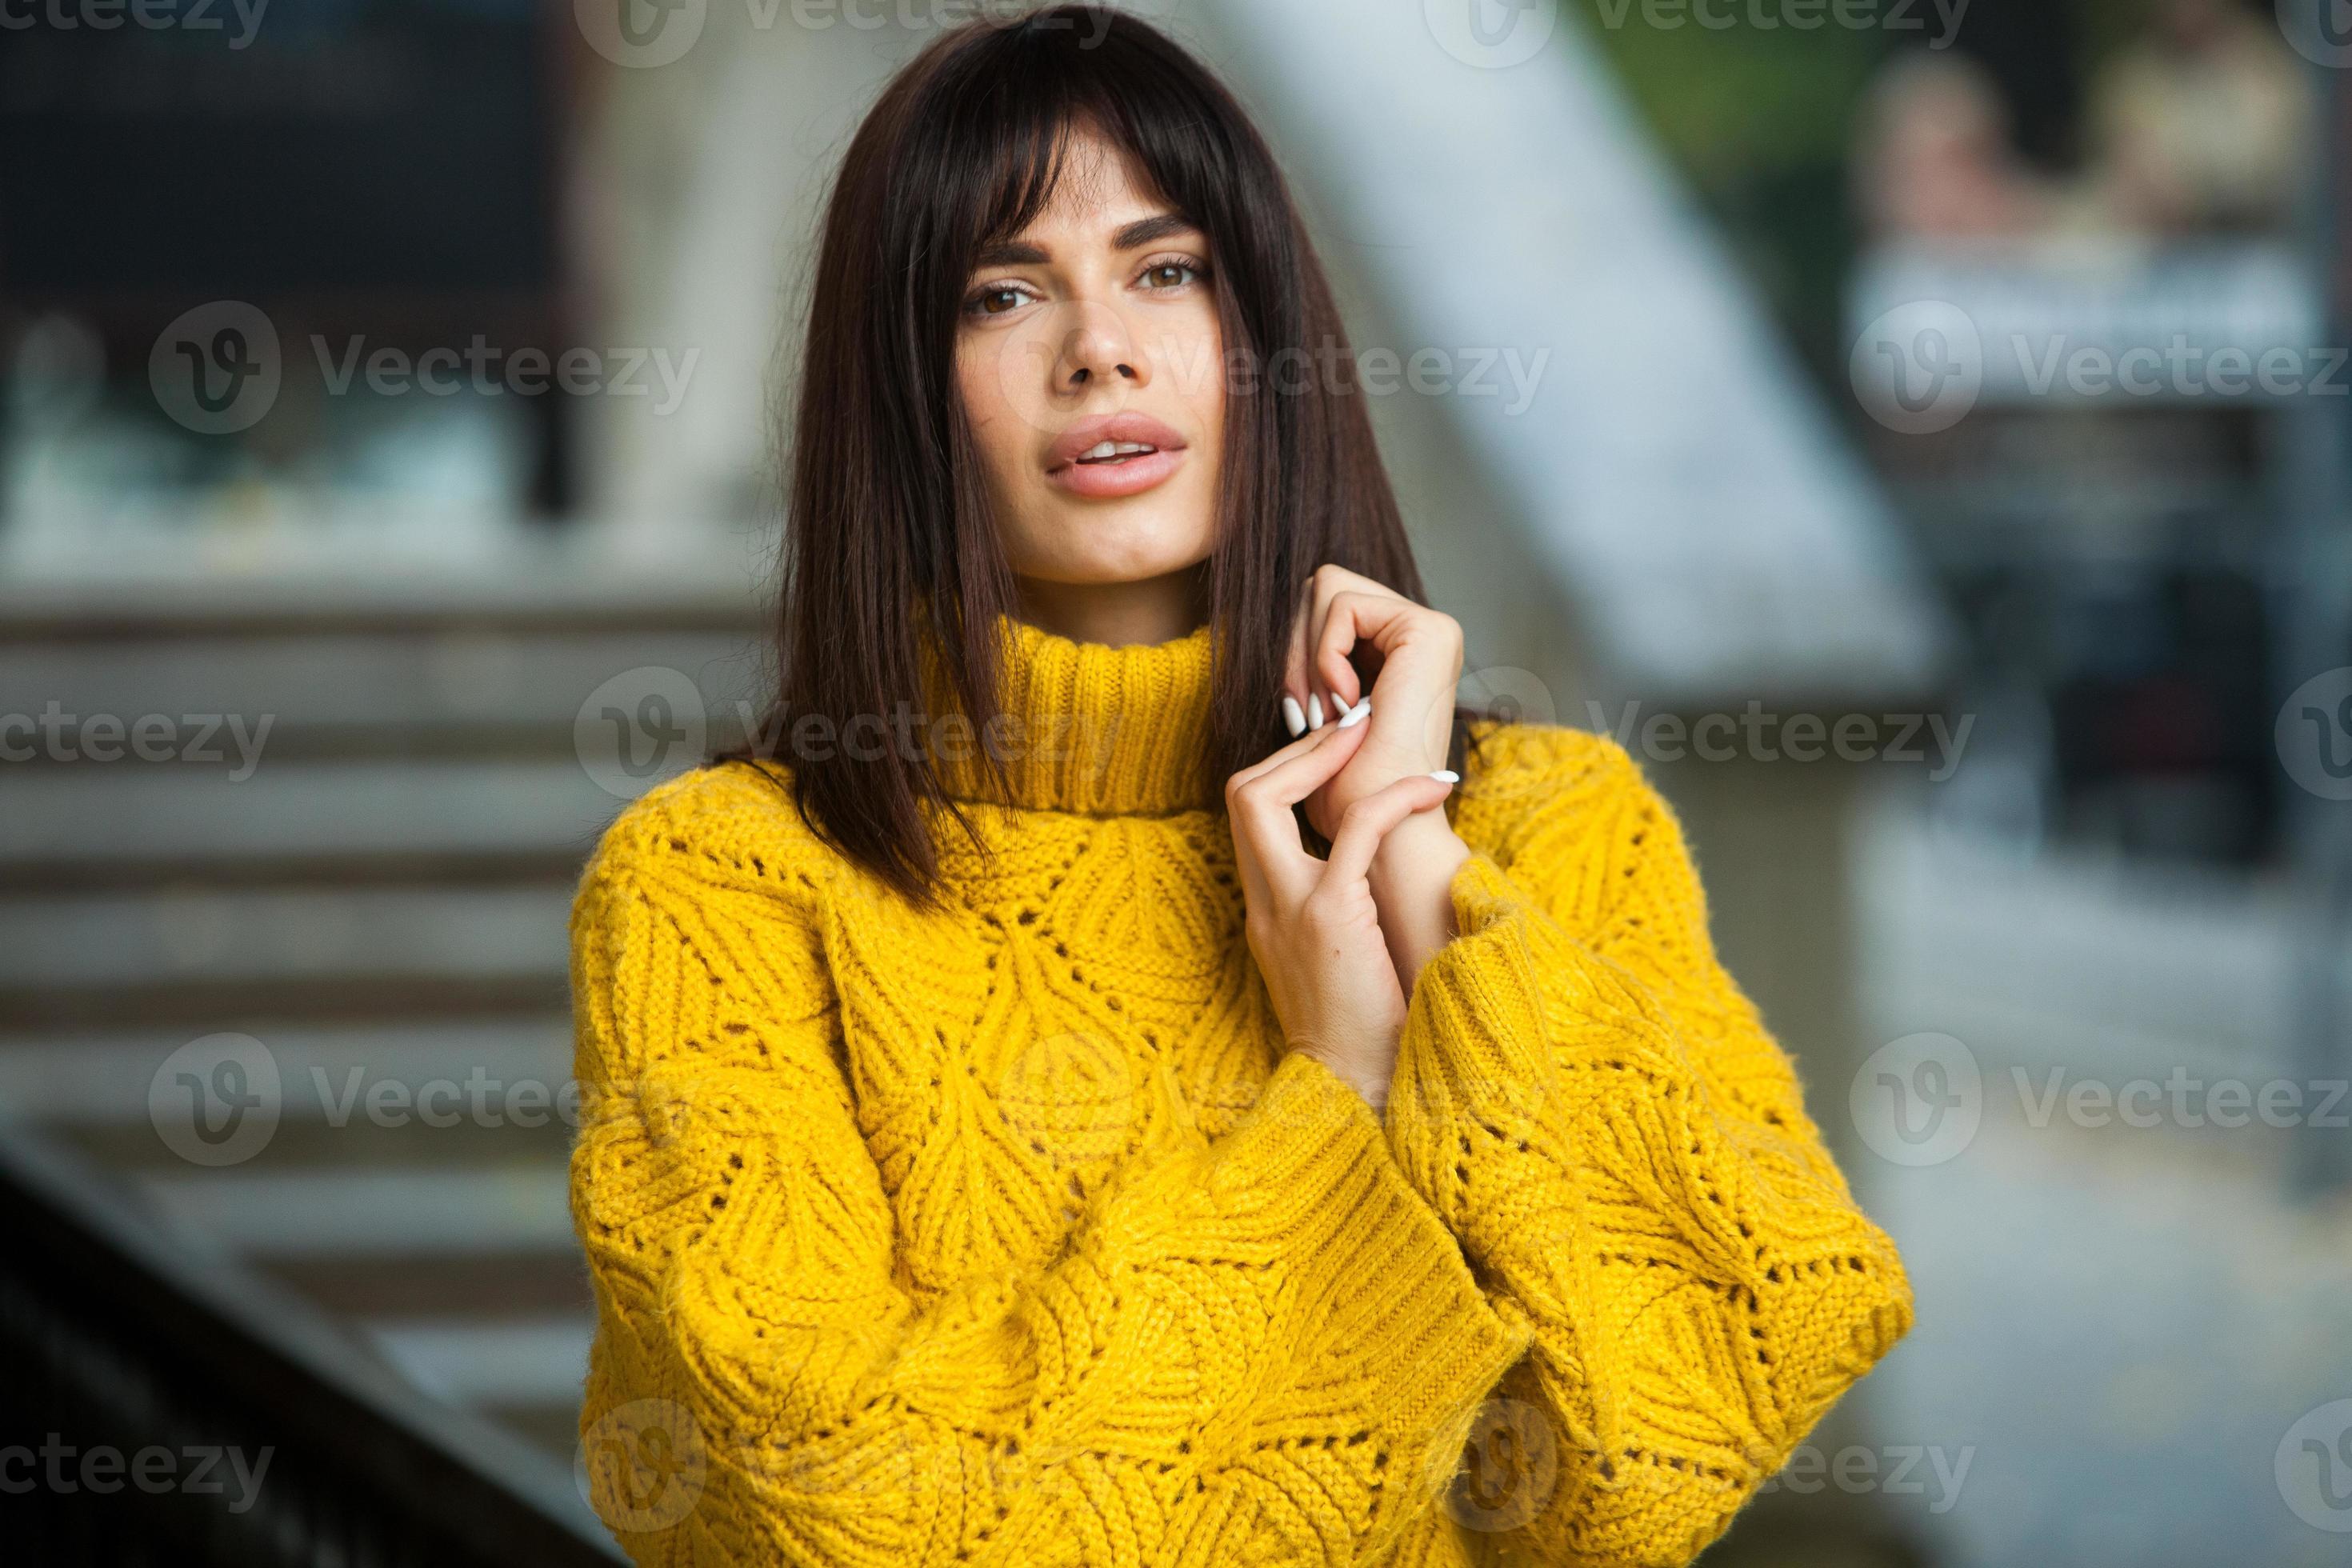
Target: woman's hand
x=1416, y=655
x=1312, y=924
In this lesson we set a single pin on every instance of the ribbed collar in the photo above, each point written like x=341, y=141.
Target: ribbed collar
x=1088, y=727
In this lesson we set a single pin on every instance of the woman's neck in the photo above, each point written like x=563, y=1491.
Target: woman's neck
x=1149, y=611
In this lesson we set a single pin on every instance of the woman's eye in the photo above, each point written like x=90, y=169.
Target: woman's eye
x=997, y=301
x=1169, y=274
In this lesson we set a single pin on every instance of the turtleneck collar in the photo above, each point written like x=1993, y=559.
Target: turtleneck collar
x=1088, y=727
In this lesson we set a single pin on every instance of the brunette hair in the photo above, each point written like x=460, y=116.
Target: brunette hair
x=887, y=513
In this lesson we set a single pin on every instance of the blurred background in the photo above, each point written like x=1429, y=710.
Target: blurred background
x=1913, y=428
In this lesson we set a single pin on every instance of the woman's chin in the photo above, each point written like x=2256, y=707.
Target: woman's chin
x=1125, y=539
x=1101, y=562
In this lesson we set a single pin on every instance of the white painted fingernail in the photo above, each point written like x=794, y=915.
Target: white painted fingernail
x=1357, y=715
x=1313, y=711
x=1293, y=719
x=1447, y=775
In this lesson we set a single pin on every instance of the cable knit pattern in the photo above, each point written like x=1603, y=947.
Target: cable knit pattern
x=1011, y=1234
x=1594, y=1107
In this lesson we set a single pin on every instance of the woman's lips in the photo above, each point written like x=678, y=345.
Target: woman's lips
x=1118, y=477
x=1070, y=463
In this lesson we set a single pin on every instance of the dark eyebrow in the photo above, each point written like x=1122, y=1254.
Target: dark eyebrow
x=1141, y=232
x=1144, y=230
x=1010, y=253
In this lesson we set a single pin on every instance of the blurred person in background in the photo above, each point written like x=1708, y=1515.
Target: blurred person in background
x=1934, y=159
x=2201, y=125
x=1001, y=1149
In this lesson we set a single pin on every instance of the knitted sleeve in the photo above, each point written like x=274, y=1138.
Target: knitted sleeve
x=1261, y=1348
x=1587, y=1098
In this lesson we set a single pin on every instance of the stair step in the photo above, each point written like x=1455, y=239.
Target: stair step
x=324, y=1213
x=356, y=683
x=553, y=1283
x=260, y=937
x=398, y=1139
x=97, y=1082
x=125, y=827
x=581, y=577
x=197, y=1006
x=472, y=1363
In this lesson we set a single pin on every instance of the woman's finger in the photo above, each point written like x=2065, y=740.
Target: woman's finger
x=1297, y=680
x=1416, y=675
x=1363, y=825
x=1303, y=679
x=1269, y=853
x=1353, y=616
x=1295, y=772
x=1273, y=759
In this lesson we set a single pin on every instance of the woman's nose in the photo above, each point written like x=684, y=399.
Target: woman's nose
x=1096, y=346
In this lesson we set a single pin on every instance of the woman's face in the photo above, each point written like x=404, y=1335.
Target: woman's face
x=1096, y=324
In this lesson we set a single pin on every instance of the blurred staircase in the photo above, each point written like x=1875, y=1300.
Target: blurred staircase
x=377, y=894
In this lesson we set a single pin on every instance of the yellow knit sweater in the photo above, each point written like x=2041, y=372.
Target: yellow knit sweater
x=1013, y=1235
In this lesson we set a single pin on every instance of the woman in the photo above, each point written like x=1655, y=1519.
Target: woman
x=1012, y=1141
